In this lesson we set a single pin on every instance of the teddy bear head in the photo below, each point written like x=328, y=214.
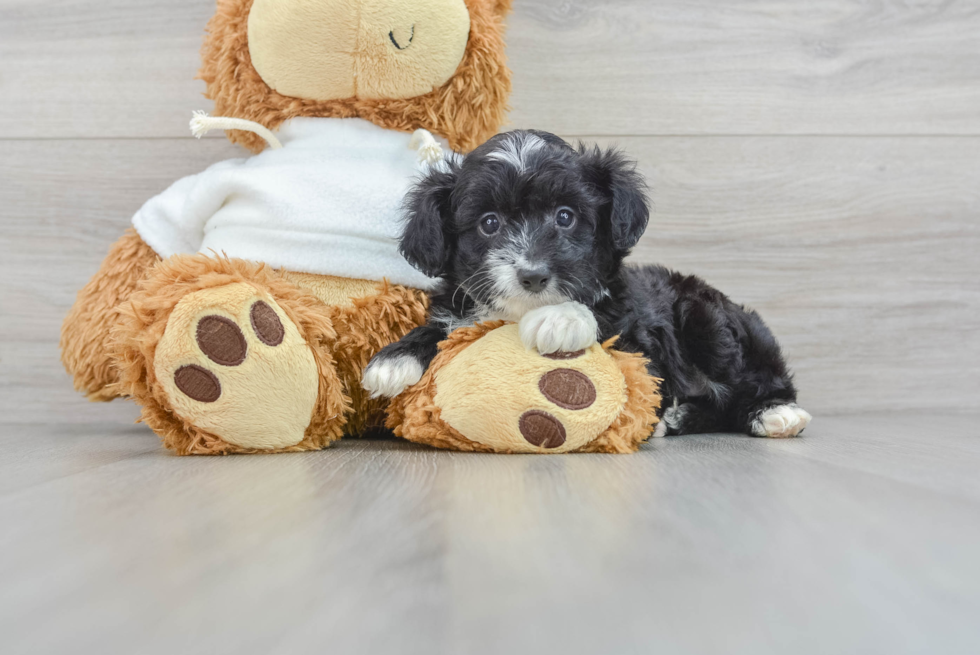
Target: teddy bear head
x=401, y=64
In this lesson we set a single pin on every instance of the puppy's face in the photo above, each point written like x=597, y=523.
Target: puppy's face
x=526, y=221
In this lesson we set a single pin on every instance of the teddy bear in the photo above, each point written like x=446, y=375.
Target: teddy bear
x=242, y=306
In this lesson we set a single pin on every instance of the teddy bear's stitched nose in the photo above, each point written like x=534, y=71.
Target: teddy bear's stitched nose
x=401, y=40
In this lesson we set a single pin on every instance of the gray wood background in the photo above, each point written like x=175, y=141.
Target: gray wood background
x=819, y=161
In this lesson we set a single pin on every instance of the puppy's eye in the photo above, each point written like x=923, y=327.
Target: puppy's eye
x=565, y=217
x=489, y=224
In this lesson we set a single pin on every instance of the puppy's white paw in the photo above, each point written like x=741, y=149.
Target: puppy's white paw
x=389, y=376
x=781, y=422
x=568, y=327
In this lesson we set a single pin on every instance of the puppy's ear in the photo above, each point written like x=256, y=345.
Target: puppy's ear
x=616, y=178
x=428, y=212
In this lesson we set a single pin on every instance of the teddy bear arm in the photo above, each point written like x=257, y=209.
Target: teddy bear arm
x=173, y=222
x=85, y=335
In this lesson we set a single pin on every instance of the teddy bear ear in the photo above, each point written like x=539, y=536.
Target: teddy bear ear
x=501, y=7
x=496, y=9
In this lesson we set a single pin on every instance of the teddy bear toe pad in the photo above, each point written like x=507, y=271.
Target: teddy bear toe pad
x=198, y=383
x=268, y=328
x=566, y=388
x=232, y=363
x=541, y=429
x=221, y=340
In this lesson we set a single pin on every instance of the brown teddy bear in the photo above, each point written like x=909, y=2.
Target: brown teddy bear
x=242, y=307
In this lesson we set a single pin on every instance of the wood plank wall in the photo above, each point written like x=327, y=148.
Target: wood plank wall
x=819, y=161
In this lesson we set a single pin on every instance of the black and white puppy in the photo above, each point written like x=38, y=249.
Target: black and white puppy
x=528, y=229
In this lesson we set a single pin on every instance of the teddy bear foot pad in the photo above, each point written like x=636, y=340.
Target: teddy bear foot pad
x=486, y=392
x=231, y=363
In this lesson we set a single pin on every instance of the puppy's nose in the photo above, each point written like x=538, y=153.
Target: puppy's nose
x=534, y=280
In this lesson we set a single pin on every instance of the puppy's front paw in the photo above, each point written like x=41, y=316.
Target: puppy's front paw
x=781, y=421
x=388, y=376
x=568, y=327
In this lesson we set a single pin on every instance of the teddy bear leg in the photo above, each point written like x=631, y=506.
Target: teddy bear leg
x=85, y=349
x=363, y=329
x=367, y=316
x=226, y=356
x=486, y=392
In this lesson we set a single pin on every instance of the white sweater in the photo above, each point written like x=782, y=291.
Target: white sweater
x=327, y=202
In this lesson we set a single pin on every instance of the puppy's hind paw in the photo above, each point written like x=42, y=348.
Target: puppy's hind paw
x=781, y=422
x=675, y=419
x=568, y=327
x=387, y=377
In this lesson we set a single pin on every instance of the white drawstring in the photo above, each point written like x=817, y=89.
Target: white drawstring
x=201, y=124
x=430, y=152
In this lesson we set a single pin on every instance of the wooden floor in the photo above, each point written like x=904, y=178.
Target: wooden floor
x=860, y=537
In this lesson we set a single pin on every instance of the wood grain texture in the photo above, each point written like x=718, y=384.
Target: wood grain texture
x=747, y=66
x=860, y=537
x=126, y=68
x=65, y=203
x=859, y=252
x=118, y=68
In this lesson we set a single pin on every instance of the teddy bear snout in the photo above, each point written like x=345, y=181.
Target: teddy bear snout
x=366, y=49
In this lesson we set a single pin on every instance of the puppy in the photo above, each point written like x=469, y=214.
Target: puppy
x=528, y=229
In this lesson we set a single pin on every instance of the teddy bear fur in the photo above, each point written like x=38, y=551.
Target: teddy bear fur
x=86, y=333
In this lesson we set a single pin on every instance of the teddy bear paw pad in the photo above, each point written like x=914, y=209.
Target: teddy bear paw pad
x=231, y=362
x=543, y=430
x=221, y=340
x=198, y=383
x=268, y=328
x=566, y=388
